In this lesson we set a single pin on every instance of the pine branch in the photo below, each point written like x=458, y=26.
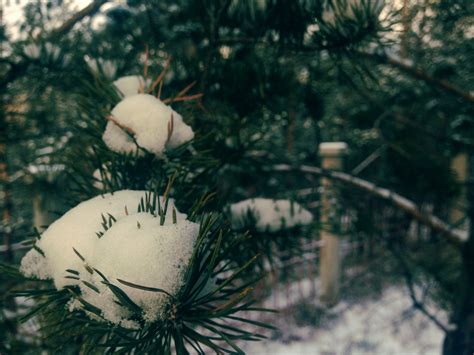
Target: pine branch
x=454, y=235
x=89, y=10
x=410, y=283
x=122, y=126
x=18, y=69
x=420, y=74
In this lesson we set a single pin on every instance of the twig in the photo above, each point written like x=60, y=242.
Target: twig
x=122, y=126
x=89, y=10
x=408, y=276
x=160, y=78
x=418, y=73
x=170, y=128
x=186, y=89
x=145, y=69
x=183, y=98
x=367, y=161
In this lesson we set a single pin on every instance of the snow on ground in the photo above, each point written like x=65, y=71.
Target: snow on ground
x=384, y=325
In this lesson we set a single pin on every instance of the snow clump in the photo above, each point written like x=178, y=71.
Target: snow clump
x=131, y=85
x=136, y=248
x=268, y=215
x=148, y=119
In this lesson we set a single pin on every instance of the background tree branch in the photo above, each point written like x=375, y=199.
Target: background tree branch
x=420, y=74
x=456, y=236
x=89, y=10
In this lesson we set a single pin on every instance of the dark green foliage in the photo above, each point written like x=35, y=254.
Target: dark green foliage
x=273, y=87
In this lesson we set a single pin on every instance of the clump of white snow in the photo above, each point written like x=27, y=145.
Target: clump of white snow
x=135, y=248
x=148, y=120
x=130, y=85
x=268, y=215
x=148, y=255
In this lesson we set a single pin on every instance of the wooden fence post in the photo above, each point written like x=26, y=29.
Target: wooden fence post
x=460, y=166
x=332, y=158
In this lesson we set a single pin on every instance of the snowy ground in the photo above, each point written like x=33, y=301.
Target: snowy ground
x=384, y=325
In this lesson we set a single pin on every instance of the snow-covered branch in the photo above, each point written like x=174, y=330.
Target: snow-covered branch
x=454, y=235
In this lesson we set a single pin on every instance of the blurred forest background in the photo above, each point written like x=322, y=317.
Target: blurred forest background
x=394, y=80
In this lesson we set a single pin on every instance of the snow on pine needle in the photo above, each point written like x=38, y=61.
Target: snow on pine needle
x=143, y=121
x=268, y=215
x=109, y=234
x=140, y=278
x=131, y=85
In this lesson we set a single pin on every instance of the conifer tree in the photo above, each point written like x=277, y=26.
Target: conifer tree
x=273, y=78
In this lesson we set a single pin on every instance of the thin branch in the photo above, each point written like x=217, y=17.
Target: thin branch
x=18, y=69
x=89, y=10
x=367, y=161
x=117, y=123
x=160, y=78
x=183, y=98
x=170, y=129
x=418, y=73
x=186, y=89
x=454, y=235
x=408, y=276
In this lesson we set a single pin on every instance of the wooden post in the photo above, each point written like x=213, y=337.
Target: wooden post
x=332, y=158
x=40, y=213
x=45, y=203
x=458, y=211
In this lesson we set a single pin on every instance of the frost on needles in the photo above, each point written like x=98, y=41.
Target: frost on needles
x=106, y=238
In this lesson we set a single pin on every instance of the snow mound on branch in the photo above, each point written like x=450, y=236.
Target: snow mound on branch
x=77, y=229
x=136, y=248
x=268, y=215
x=130, y=85
x=148, y=118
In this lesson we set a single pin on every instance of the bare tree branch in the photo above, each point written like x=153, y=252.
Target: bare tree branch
x=409, y=280
x=89, y=10
x=454, y=235
x=418, y=73
x=17, y=69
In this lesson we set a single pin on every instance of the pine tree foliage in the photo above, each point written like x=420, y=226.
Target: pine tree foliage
x=198, y=317
x=278, y=77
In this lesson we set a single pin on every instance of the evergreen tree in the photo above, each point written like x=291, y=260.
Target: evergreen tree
x=276, y=78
